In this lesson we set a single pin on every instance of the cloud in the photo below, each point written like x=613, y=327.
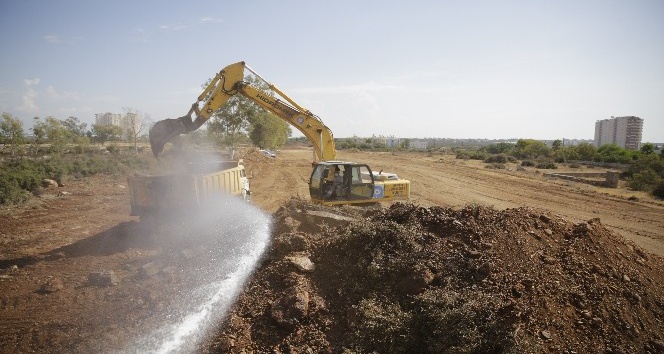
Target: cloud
x=53, y=95
x=52, y=39
x=56, y=39
x=29, y=97
x=172, y=28
x=141, y=35
x=211, y=20
x=352, y=89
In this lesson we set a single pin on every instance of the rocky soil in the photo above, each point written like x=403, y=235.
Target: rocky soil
x=429, y=279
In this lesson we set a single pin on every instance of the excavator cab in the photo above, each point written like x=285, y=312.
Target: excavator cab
x=338, y=182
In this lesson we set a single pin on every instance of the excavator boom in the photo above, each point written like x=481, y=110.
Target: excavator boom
x=331, y=182
x=229, y=82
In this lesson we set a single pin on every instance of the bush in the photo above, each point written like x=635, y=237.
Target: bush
x=547, y=165
x=497, y=158
x=658, y=191
x=643, y=180
x=495, y=165
x=20, y=177
x=527, y=163
x=471, y=155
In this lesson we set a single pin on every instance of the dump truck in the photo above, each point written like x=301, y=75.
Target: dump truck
x=202, y=183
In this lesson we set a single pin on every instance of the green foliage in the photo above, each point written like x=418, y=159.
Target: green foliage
x=556, y=145
x=658, y=191
x=471, y=155
x=498, y=158
x=584, y=151
x=104, y=133
x=269, y=132
x=613, y=153
x=529, y=148
x=644, y=180
x=240, y=118
x=11, y=132
x=646, y=173
x=74, y=127
x=647, y=148
x=20, y=177
x=546, y=164
x=499, y=148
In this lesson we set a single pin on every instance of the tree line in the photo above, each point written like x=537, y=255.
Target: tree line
x=643, y=169
x=54, y=135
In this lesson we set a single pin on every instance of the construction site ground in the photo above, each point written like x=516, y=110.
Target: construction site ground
x=478, y=260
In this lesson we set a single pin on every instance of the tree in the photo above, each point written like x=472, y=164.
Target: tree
x=647, y=148
x=134, y=124
x=530, y=148
x=38, y=133
x=614, y=153
x=556, y=145
x=57, y=134
x=586, y=151
x=240, y=115
x=75, y=127
x=11, y=132
x=103, y=133
x=268, y=132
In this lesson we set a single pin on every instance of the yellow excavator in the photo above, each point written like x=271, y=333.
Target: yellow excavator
x=331, y=182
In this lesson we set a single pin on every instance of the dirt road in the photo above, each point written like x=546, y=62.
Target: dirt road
x=445, y=181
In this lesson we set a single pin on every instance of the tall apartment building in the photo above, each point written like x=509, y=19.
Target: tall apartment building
x=129, y=122
x=622, y=131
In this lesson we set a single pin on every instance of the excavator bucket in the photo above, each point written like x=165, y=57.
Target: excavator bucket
x=164, y=131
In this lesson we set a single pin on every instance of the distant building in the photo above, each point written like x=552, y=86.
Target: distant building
x=392, y=142
x=419, y=144
x=130, y=122
x=622, y=131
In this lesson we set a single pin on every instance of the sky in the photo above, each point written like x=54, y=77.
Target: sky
x=539, y=69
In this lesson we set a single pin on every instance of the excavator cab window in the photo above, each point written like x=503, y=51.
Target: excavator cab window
x=361, y=182
x=318, y=175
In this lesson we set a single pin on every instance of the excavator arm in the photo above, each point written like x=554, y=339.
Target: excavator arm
x=229, y=82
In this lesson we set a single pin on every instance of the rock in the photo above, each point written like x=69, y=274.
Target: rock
x=149, y=269
x=657, y=344
x=548, y=232
x=105, y=278
x=48, y=183
x=545, y=334
x=52, y=285
x=473, y=254
x=416, y=282
x=292, y=308
x=302, y=263
x=626, y=278
x=548, y=259
x=63, y=193
x=528, y=283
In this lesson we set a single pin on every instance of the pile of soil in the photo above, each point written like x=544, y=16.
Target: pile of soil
x=415, y=279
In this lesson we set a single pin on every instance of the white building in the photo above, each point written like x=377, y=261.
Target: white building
x=129, y=123
x=418, y=144
x=622, y=131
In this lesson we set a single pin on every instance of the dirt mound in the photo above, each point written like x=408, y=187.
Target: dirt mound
x=415, y=279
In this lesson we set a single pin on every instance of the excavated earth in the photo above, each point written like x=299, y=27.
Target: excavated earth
x=478, y=261
x=411, y=279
